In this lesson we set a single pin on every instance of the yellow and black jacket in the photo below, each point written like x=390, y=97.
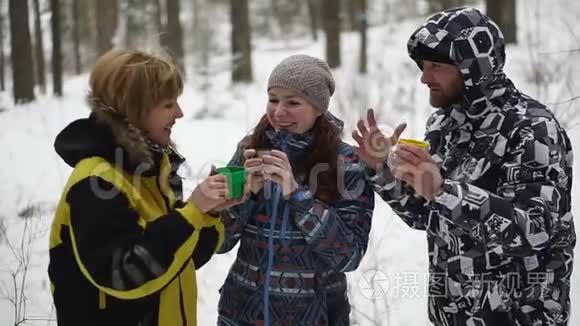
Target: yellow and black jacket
x=123, y=246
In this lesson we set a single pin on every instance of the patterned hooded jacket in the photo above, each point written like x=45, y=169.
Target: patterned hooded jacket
x=500, y=233
x=296, y=249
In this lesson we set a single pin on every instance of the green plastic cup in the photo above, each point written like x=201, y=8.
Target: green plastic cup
x=236, y=176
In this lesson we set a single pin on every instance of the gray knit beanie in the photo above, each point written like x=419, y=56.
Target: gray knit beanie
x=310, y=77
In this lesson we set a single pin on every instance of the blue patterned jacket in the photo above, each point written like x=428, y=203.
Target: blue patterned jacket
x=312, y=247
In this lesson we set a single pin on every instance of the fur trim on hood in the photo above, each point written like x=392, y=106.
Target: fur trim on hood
x=125, y=134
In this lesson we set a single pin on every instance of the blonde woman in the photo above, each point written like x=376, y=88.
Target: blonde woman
x=124, y=247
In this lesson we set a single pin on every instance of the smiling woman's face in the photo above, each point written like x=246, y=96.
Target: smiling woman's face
x=158, y=123
x=286, y=110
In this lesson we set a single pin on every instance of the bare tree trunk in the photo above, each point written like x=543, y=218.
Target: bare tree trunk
x=331, y=10
x=137, y=23
x=130, y=14
x=448, y=4
x=504, y=14
x=87, y=21
x=241, y=41
x=106, y=19
x=22, y=73
x=362, y=24
x=39, y=49
x=196, y=24
x=157, y=17
x=275, y=8
x=433, y=6
x=349, y=8
x=2, y=58
x=287, y=15
x=438, y=5
x=173, y=35
x=409, y=9
x=76, y=36
x=202, y=35
x=56, y=48
x=314, y=13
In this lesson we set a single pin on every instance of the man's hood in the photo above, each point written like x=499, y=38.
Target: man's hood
x=467, y=38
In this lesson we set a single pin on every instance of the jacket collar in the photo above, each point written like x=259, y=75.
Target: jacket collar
x=89, y=137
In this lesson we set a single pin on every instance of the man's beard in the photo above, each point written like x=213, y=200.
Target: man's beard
x=441, y=99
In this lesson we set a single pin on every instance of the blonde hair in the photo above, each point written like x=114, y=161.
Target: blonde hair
x=130, y=83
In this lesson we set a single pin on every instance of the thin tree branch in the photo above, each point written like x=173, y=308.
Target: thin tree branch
x=559, y=52
x=574, y=125
x=565, y=102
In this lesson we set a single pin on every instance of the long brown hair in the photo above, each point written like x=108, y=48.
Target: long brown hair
x=324, y=150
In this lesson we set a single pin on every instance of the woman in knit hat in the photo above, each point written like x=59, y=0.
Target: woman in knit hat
x=308, y=217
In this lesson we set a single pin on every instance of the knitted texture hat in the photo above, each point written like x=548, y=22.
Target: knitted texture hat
x=308, y=76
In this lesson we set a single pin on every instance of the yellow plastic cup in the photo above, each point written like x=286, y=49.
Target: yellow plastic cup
x=414, y=142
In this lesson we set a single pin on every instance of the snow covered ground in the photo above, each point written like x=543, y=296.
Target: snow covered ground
x=389, y=287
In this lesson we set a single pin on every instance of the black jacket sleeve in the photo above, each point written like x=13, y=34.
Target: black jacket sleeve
x=124, y=255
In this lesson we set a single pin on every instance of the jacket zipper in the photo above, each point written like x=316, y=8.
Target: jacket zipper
x=102, y=300
x=182, y=304
x=165, y=199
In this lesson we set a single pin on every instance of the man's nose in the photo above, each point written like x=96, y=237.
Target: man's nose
x=425, y=76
